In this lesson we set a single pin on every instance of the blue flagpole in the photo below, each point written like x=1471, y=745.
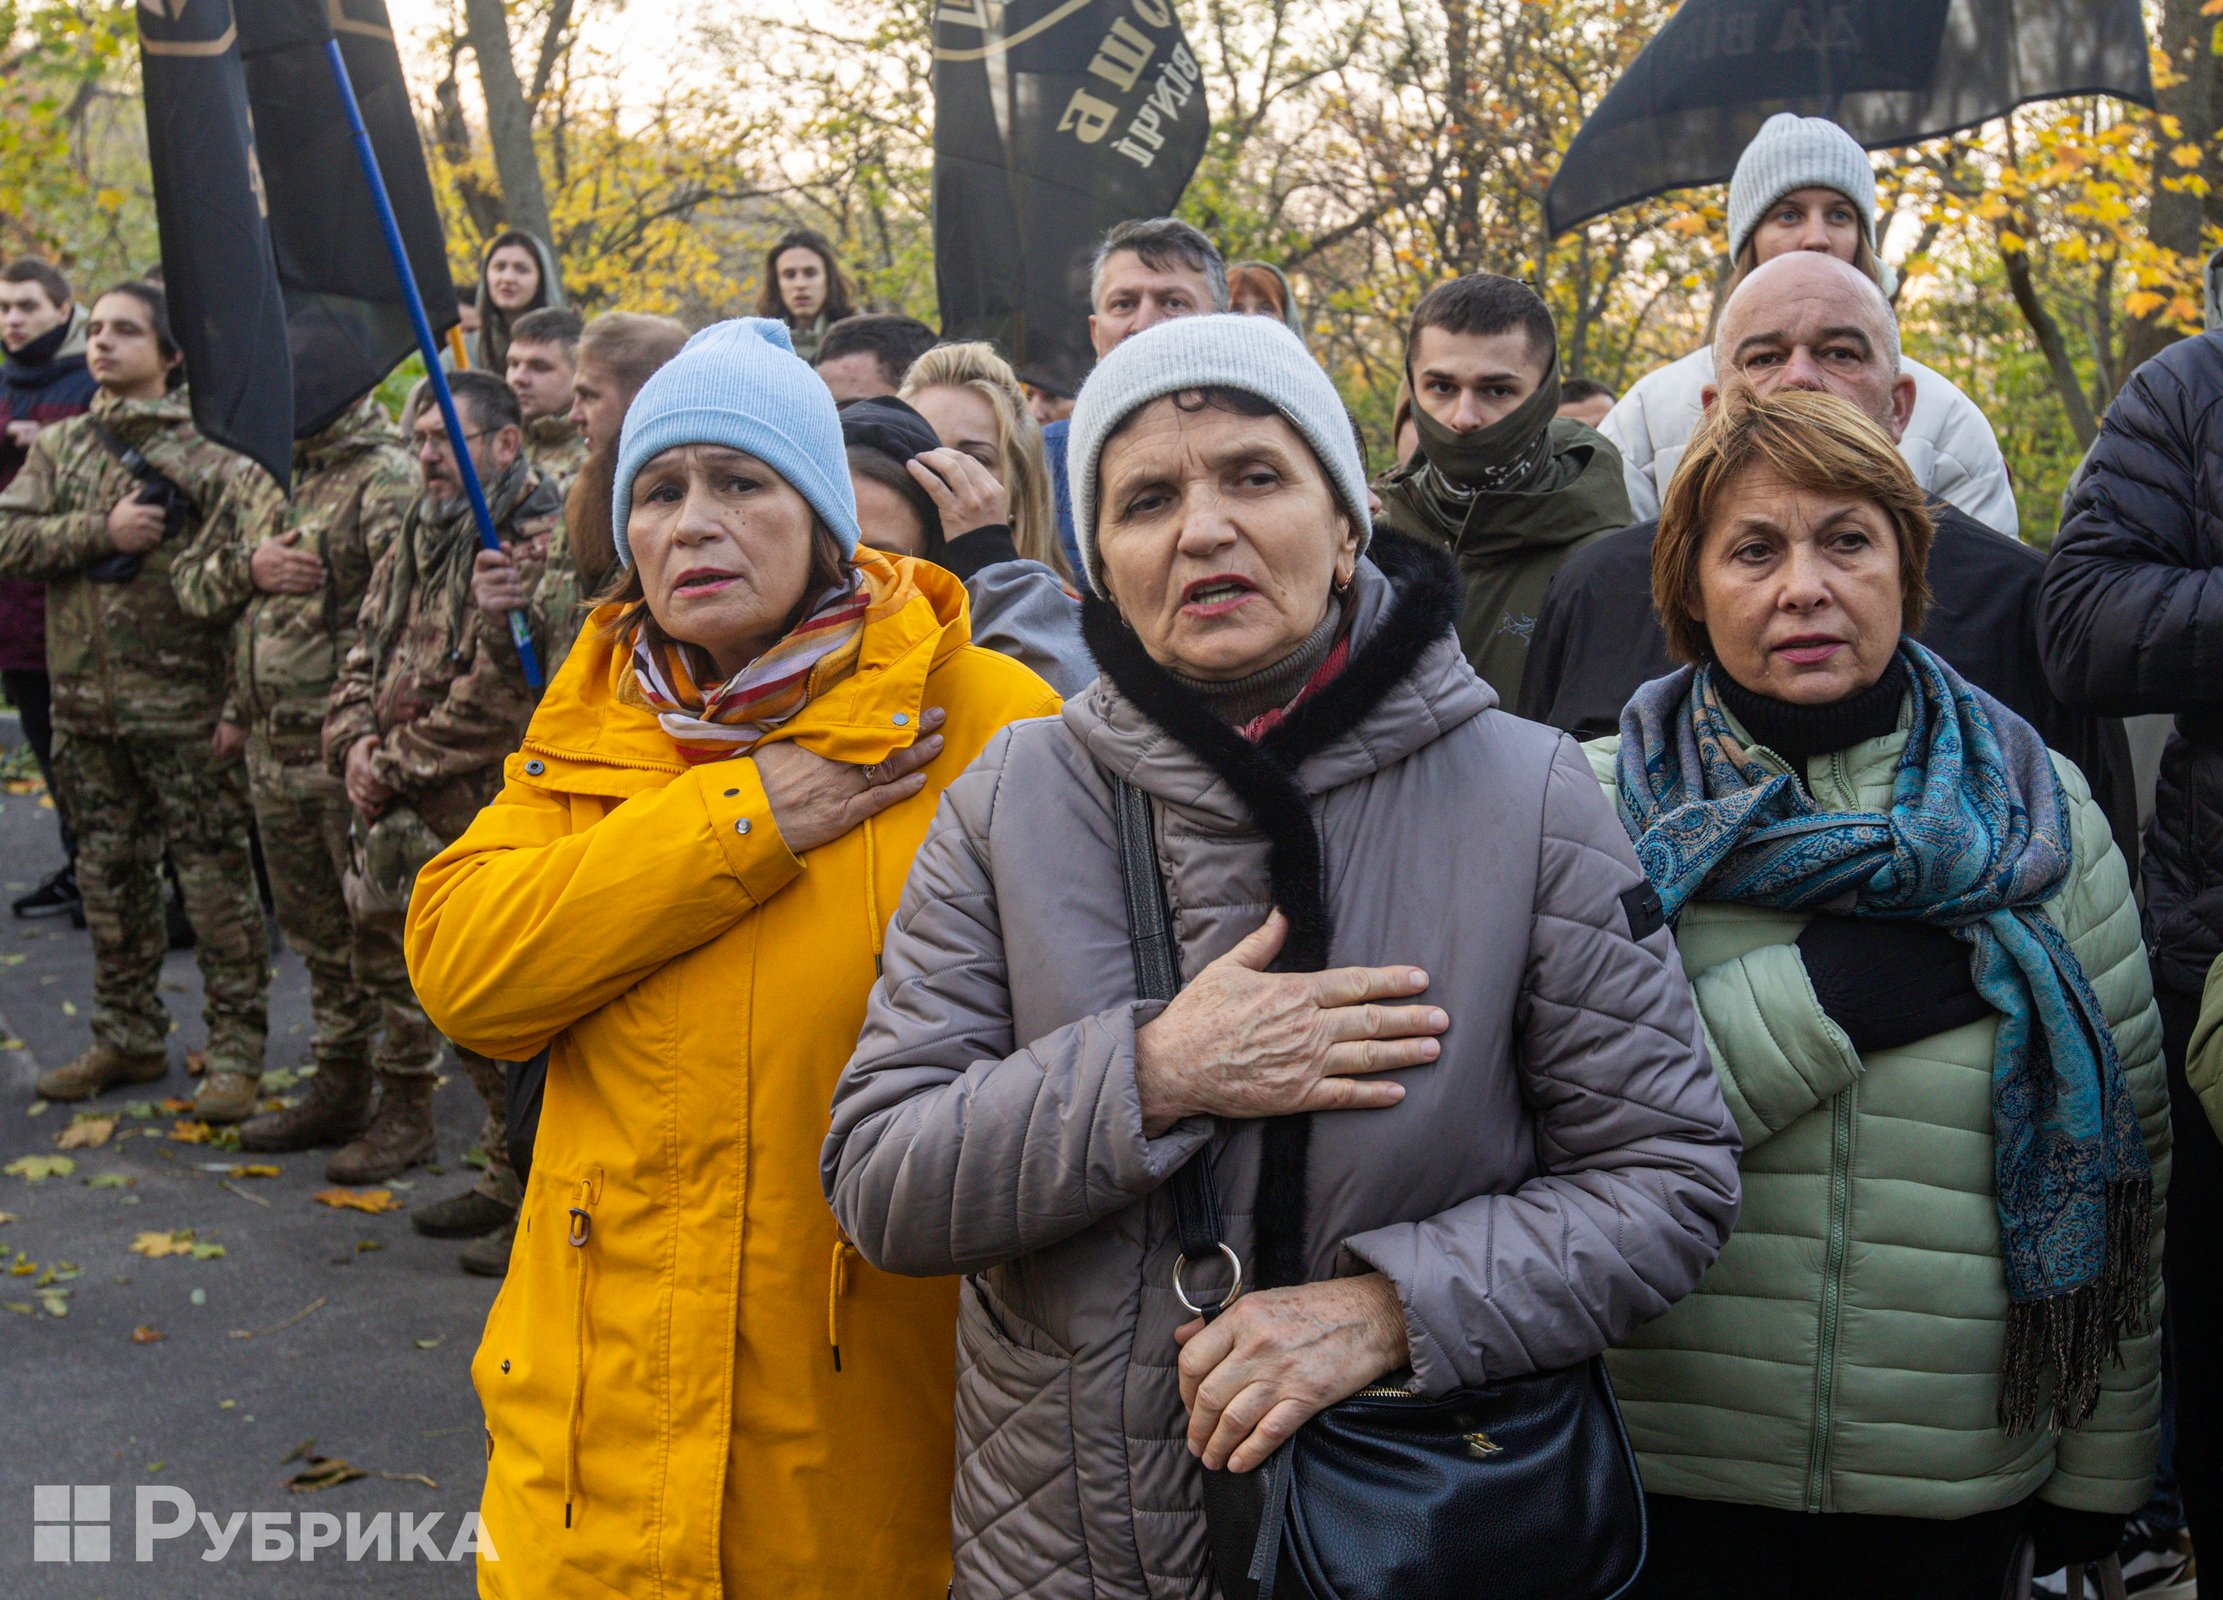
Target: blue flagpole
x=518, y=632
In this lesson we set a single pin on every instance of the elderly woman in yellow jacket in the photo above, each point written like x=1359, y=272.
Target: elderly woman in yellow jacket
x=693, y=1386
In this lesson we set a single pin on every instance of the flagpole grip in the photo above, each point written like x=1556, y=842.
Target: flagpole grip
x=527, y=657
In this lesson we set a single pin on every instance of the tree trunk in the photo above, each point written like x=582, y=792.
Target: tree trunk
x=2048, y=334
x=509, y=121
x=1466, y=155
x=2174, y=220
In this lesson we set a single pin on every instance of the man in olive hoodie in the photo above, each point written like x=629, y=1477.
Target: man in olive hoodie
x=1507, y=486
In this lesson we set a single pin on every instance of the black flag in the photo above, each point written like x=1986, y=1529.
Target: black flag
x=1890, y=72
x=225, y=305
x=265, y=212
x=1053, y=120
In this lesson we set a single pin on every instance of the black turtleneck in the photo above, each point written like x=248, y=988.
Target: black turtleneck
x=1800, y=733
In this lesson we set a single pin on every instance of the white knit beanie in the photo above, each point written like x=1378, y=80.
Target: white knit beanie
x=1793, y=152
x=1258, y=355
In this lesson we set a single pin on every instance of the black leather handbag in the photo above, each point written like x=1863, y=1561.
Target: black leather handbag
x=1524, y=1489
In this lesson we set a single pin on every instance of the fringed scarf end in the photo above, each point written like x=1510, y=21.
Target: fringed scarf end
x=2065, y=1342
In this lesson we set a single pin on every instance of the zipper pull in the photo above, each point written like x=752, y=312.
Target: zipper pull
x=837, y=1284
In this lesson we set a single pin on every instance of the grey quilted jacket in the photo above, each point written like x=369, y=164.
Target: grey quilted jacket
x=1565, y=1171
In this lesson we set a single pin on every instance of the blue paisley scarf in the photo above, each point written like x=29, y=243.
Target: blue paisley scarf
x=1976, y=839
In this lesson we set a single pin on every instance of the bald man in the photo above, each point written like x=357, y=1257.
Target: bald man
x=1809, y=321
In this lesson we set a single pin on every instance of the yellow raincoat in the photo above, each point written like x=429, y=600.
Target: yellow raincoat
x=666, y=1411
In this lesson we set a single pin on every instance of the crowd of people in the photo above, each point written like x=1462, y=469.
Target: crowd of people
x=1655, y=878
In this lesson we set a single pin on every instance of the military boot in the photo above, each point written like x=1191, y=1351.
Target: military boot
x=399, y=1135
x=101, y=1068
x=333, y=1111
x=489, y=1257
x=226, y=1097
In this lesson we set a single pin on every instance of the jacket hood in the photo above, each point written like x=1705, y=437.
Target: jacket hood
x=595, y=736
x=1438, y=693
x=363, y=426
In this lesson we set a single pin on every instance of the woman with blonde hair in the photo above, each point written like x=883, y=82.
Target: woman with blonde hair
x=997, y=530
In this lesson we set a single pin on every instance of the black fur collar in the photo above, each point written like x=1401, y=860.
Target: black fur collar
x=1423, y=608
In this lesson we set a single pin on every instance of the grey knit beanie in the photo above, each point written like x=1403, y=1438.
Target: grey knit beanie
x=1793, y=152
x=1257, y=355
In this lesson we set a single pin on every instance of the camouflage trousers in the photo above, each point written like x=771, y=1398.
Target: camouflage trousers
x=130, y=799
x=383, y=862
x=360, y=1000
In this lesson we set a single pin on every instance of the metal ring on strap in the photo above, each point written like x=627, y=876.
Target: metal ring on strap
x=1234, y=1287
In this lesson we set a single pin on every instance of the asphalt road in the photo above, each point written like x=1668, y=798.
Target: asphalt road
x=376, y=1374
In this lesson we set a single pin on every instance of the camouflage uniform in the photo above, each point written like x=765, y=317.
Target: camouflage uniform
x=353, y=487
x=555, y=448
x=138, y=686
x=445, y=707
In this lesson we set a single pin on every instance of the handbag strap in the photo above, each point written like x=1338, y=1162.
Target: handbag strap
x=1196, y=1200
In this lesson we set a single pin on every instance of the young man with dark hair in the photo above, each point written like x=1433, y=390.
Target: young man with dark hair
x=42, y=381
x=865, y=357
x=1502, y=481
x=105, y=510
x=543, y=361
x=1586, y=400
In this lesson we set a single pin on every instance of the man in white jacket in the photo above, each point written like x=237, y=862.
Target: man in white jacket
x=1804, y=184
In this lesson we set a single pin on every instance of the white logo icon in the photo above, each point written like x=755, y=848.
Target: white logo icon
x=69, y=1522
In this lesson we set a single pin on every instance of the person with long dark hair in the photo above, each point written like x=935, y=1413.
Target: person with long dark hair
x=804, y=287
x=518, y=274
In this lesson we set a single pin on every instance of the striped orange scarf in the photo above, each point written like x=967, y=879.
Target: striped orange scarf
x=727, y=719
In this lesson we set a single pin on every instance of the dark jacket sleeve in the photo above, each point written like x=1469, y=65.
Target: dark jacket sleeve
x=2131, y=615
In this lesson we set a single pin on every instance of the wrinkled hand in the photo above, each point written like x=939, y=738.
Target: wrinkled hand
x=364, y=790
x=1255, y=1373
x=1244, y=1042
x=228, y=743
x=20, y=434
x=133, y=528
x=497, y=584
x=815, y=801
x=280, y=566
x=965, y=493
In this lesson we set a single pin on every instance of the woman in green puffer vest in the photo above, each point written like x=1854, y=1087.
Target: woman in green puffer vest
x=1932, y=1343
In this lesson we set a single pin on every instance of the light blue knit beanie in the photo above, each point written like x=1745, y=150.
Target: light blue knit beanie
x=739, y=384
x=1258, y=355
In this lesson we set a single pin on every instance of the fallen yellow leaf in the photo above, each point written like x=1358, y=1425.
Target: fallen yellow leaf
x=254, y=1169
x=37, y=1169
x=157, y=1245
x=85, y=1133
x=371, y=1200
x=187, y=1131
x=145, y=1333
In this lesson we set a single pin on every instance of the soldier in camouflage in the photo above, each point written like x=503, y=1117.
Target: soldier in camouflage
x=296, y=596
x=422, y=716
x=617, y=353
x=138, y=688
x=543, y=358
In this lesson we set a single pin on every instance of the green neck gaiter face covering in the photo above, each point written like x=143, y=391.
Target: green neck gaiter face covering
x=1507, y=455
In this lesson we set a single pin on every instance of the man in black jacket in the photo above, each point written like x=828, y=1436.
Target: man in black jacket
x=2132, y=618
x=1809, y=321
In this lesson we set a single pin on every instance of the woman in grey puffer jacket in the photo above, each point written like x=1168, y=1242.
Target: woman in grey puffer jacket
x=1551, y=1163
